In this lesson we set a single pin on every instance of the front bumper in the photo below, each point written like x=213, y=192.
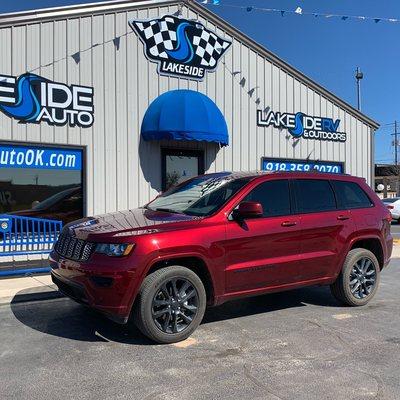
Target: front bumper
x=110, y=290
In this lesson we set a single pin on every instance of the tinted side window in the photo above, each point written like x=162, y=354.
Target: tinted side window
x=350, y=195
x=313, y=195
x=274, y=197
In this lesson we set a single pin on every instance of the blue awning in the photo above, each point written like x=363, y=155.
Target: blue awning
x=184, y=115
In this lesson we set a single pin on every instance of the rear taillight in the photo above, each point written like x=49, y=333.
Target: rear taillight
x=390, y=207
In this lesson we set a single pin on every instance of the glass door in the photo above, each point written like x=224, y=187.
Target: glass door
x=180, y=165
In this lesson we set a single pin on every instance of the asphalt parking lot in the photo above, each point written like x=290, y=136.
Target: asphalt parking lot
x=293, y=345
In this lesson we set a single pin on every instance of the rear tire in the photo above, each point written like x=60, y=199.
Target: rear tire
x=358, y=281
x=170, y=304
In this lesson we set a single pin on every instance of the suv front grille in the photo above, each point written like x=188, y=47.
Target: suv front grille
x=73, y=248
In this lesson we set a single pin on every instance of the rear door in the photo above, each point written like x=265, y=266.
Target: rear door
x=263, y=252
x=325, y=228
x=353, y=198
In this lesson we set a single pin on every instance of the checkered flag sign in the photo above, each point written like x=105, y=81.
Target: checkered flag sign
x=181, y=42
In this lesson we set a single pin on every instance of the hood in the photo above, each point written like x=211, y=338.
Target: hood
x=134, y=222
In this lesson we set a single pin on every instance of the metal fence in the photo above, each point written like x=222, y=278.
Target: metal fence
x=26, y=235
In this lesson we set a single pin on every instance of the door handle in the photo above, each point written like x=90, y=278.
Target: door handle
x=289, y=223
x=343, y=217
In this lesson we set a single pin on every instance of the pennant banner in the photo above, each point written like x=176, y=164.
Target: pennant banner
x=299, y=11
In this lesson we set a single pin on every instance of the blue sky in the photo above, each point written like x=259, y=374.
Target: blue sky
x=327, y=50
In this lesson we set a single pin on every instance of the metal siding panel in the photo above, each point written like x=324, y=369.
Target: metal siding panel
x=284, y=135
x=303, y=109
x=18, y=58
x=266, y=102
x=47, y=71
x=32, y=65
x=99, y=189
x=6, y=68
x=152, y=182
x=318, y=145
x=87, y=134
x=296, y=108
x=258, y=97
x=275, y=102
x=323, y=145
x=244, y=109
x=348, y=147
x=134, y=54
x=60, y=69
x=220, y=82
x=109, y=114
x=236, y=92
x=146, y=174
x=251, y=131
x=121, y=30
x=73, y=69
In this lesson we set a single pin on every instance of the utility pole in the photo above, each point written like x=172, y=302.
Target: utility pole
x=359, y=76
x=395, y=143
x=396, y=158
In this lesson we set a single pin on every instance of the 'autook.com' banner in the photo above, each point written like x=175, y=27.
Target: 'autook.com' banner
x=41, y=158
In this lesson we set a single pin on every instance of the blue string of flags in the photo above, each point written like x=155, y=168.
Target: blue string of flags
x=299, y=11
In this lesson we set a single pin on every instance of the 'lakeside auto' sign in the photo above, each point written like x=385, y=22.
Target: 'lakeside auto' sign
x=181, y=47
x=31, y=98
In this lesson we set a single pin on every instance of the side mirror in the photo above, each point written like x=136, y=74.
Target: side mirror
x=248, y=209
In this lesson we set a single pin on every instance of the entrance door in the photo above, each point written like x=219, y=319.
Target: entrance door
x=180, y=165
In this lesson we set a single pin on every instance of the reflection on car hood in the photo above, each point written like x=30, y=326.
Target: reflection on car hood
x=138, y=221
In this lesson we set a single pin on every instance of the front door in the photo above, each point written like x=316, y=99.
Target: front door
x=180, y=165
x=263, y=252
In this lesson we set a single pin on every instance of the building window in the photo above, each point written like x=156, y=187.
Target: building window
x=41, y=182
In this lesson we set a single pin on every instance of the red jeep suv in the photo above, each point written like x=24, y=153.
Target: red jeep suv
x=222, y=236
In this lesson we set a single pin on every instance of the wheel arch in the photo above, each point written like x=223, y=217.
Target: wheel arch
x=195, y=264
x=371, y=243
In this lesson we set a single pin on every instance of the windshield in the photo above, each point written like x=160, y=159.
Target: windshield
x=200, y=196
x=52, y=200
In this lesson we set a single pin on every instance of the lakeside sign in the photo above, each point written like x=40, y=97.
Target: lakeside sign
x=181, y=47
x=302, y=125
x=31, y=98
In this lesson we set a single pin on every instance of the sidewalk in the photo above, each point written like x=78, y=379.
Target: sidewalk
x=28, y=289
x=41, y=287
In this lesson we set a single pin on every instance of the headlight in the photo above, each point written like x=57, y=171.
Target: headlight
x=114, y=249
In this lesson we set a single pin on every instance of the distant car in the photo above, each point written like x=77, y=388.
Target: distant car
x=393, y=204
x=65, y=206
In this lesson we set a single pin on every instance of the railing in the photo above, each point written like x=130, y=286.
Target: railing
x=26, y=235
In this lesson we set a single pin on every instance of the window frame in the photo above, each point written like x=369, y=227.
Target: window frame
x=291, y=199
x=61, y=146
x=372, y=204
x=297, y=211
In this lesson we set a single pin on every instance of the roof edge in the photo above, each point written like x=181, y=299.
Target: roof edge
x=75, y=10
x=32, y=16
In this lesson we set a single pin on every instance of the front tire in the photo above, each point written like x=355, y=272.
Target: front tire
x=358, y=281
x=170, y=304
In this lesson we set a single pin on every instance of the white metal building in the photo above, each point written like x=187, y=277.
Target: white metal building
x=76, y=82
